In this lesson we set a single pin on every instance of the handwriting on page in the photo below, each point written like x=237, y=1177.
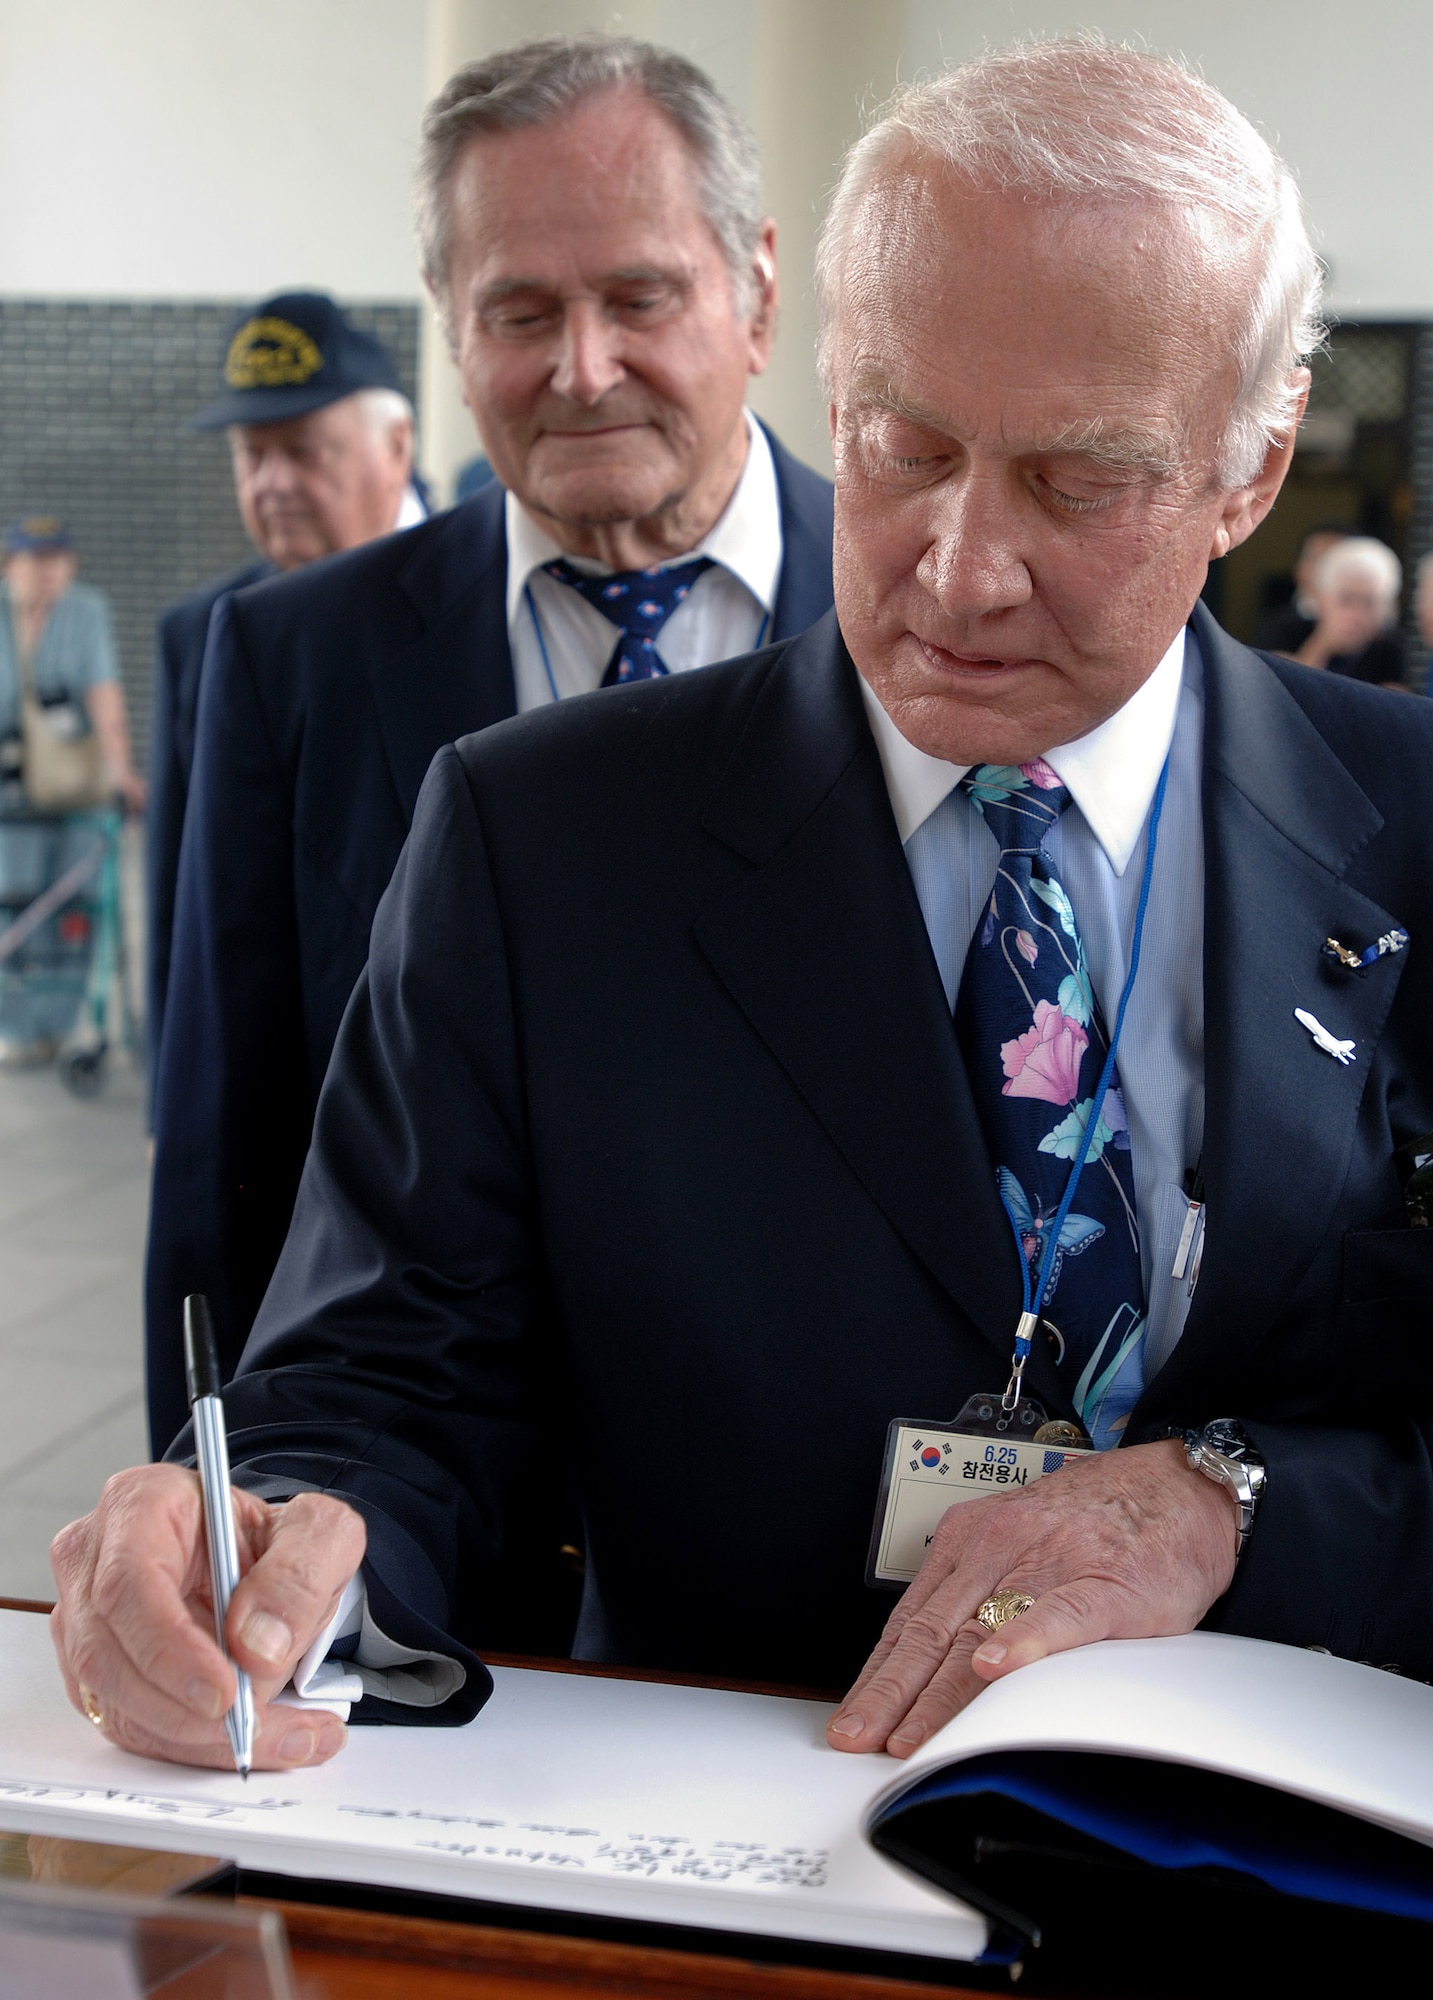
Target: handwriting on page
x=665, y=1855
x=144, y=1805
x=671, y=1855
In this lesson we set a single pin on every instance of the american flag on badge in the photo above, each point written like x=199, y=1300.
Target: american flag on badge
x=1053, y=1461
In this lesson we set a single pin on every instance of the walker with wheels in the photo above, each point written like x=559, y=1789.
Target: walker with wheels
x=67, y=944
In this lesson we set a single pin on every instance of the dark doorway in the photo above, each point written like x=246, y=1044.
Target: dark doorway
x=1353, y=465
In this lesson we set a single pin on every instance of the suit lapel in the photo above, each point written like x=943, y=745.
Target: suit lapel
x=1283, y=819
x=824, y=950
x=457, y=675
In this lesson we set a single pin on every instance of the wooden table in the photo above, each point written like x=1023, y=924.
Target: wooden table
x=366, y=1955
x=344, y=1953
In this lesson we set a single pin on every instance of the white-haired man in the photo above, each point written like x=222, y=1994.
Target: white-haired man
x=321, y=439
x=591, y=227
x=869, y=1027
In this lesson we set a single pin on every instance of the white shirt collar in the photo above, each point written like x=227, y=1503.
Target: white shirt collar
x=745, y=538
x=410, y=510
x=1111, y=773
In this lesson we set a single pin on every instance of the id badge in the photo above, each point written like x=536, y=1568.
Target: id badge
x=927, y=1469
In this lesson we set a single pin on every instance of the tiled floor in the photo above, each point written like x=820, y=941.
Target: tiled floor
x=73, y=1191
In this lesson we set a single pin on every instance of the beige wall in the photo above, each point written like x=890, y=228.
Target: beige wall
x=179, y=148
x=1342, y=90
x=188, y=149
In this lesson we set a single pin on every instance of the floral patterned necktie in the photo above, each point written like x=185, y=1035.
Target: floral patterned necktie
x=640, y=601
x=1034, y=1046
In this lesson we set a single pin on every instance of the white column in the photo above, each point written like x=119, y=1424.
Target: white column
x=818, y=65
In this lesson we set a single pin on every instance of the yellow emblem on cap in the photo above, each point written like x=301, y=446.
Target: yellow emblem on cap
x=270, y=354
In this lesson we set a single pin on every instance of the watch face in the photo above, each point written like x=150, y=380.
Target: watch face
x=1223, y=1434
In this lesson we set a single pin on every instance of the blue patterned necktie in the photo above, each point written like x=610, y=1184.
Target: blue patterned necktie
x=1034, y=1046
x=640, y=601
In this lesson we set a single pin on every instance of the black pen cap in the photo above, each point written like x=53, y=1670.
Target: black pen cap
x=201, y=1357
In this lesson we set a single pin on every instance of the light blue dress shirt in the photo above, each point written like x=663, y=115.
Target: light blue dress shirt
x=1097, y=849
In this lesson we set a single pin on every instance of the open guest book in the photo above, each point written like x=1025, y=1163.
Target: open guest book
x=1094, y=1789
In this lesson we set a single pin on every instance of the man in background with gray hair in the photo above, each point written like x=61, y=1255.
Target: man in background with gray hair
x=321, y=439
x=592, y=232
x=993, y=1011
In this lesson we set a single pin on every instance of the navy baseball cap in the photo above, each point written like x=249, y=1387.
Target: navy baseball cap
x=290, y=355
x=38, y=534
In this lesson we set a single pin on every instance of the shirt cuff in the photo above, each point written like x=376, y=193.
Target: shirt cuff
x=352, y=1658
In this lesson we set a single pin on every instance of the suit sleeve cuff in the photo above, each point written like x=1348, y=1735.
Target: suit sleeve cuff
x=353, y=1660
x=406, y=1666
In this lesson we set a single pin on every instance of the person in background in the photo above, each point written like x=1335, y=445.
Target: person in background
x=594, y=237
x=1355, y=593
x=321, y=437
x=57, y=642
x=1285, y=628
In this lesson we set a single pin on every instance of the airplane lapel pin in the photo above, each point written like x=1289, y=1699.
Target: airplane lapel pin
x=1342, y=1052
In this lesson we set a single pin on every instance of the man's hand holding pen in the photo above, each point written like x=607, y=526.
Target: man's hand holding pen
x=133, y=1625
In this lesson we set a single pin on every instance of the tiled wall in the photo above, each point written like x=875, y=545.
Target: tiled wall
x=94, y=401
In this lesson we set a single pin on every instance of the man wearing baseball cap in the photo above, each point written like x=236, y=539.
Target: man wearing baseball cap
x=321, y=435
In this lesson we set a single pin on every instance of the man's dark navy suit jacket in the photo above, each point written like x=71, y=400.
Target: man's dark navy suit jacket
x=174, y=703
x=647, y=1136
x=325, y=697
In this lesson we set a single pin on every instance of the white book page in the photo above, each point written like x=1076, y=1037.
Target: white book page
x=1347, y=1735
x=673, y=1805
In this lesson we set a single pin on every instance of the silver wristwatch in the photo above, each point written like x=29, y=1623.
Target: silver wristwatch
x=1222, y=1451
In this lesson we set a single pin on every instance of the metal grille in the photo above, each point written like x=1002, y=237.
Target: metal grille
x=95, y=397
x=1365, y=374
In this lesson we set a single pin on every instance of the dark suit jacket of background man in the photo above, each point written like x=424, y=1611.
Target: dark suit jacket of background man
x=647, y=1136
x=174, y=700
x=326, y=695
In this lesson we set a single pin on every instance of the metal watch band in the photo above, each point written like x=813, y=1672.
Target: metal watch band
x=1223, y=1452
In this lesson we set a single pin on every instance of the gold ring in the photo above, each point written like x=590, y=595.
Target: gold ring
x=91, y=1708
x=1003, y=1608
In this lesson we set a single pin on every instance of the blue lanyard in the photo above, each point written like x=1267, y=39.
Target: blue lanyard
x=756, y=646
x=1033, y=1297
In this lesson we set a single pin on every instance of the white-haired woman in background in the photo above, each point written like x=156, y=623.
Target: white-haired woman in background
x=1355, y=590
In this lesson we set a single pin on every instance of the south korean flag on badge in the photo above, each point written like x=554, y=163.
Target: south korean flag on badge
x=930, y=1457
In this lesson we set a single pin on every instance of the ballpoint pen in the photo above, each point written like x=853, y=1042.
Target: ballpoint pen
x=211, y=1442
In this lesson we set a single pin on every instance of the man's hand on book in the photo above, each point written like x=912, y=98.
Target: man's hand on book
x=134, y=1624
x=1124, y=1545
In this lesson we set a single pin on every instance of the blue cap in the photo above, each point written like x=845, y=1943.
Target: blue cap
x=38, y=534
x=292, y=354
